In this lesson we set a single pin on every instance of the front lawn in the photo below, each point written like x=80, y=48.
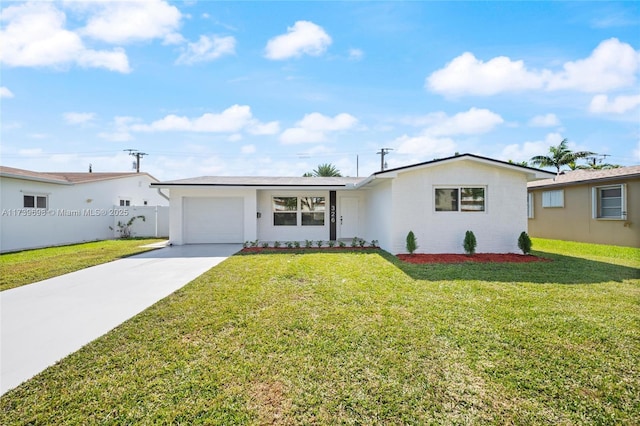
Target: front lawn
x=29, y=266
x=362, y=338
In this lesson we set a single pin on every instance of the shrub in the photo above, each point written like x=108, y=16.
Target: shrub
x=524, y=243
x=276, y=244
x=412, y=242
x=331, y=243
x=308, y=243
x=265, y=245
x=289, y=244
x=362, y=242
x=254, y=243
x=374, y=243
x=354, y=242
x=341, y=244
x=470, y=243
x=319, y=243
x=296, y=244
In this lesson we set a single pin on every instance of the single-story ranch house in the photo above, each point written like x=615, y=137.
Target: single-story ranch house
x=438, y=200
x=41, y=209
x=591, y=206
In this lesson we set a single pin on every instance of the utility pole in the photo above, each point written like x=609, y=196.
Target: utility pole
x=383, y=152
x=138, y=155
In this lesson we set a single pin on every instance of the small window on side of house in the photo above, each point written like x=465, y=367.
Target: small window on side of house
x=609, y=202
x=553, y=198
x=35, y=201
x=125, y=203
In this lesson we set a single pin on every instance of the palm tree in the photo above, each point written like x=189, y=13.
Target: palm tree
x=559, y=156
x=324, y=170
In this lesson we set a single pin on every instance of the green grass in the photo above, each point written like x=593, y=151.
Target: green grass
x=29, y=266
x=361, y=338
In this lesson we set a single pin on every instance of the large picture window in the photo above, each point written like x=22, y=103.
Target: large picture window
x=285, y=211
x=35, y=201
x=294, y=211
x=609, y=202
x=312, y=211
x=464, y=199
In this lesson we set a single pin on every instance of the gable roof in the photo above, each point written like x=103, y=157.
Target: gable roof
x=263, y=181
x=576, y=177
x=65, y=178
x=532, y=173
x=339, y=182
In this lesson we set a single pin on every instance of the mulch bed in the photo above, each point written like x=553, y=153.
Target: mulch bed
x=303, y=249
x=478, y=257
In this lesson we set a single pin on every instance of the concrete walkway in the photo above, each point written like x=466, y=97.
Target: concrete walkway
x=48, y=320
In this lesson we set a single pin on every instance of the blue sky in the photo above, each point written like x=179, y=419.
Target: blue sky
x=276, y=88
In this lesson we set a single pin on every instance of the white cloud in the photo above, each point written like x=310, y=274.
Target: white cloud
x=313, y=128
x=600, y=104
x=78, y=117
x=5, y=92
x=303, y=38
x=231, y=120
x=356, y=54
x=248, y=149
x=466, y=75
x=270, y=128
x=424, y=146
x=474, y=121
x=523, y=152
x=612, y=65
x=546, y=120
x=121, y=132
x=207, y=49
x=123, y=22
x=34, y=35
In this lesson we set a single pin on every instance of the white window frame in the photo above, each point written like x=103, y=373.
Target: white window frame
x=459, y=188
x=596, y=195
x=553, y=199
x=299, y=211
x=530, y=207
x=36, y=197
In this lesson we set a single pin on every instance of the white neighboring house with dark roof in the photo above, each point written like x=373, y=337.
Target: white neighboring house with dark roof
x=438, y=200
x=591, y=206
x=46, y=209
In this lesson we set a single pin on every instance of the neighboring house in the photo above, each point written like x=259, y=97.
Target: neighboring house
x=45, y=209
x=591, y=206
x=437, y=200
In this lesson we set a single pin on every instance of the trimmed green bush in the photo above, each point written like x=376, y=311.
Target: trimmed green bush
x=470, y=243
x=524, y=243
x=412, y=242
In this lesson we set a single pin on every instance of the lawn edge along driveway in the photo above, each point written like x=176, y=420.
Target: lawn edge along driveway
x=46, y=321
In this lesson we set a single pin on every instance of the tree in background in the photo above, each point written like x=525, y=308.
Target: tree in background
x=324, y=170
x=559, y=156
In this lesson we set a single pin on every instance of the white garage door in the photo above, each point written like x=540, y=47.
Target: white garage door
x=213, y=220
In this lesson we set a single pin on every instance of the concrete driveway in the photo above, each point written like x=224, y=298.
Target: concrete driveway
x=46, y=321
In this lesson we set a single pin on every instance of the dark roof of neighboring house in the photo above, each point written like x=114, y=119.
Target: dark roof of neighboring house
x=576, y=177
x=65, y=178
x=250, y=181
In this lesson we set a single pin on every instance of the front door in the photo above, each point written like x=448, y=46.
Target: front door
x=348, y=220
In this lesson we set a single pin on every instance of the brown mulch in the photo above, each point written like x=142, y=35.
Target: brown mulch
x=478, y=257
